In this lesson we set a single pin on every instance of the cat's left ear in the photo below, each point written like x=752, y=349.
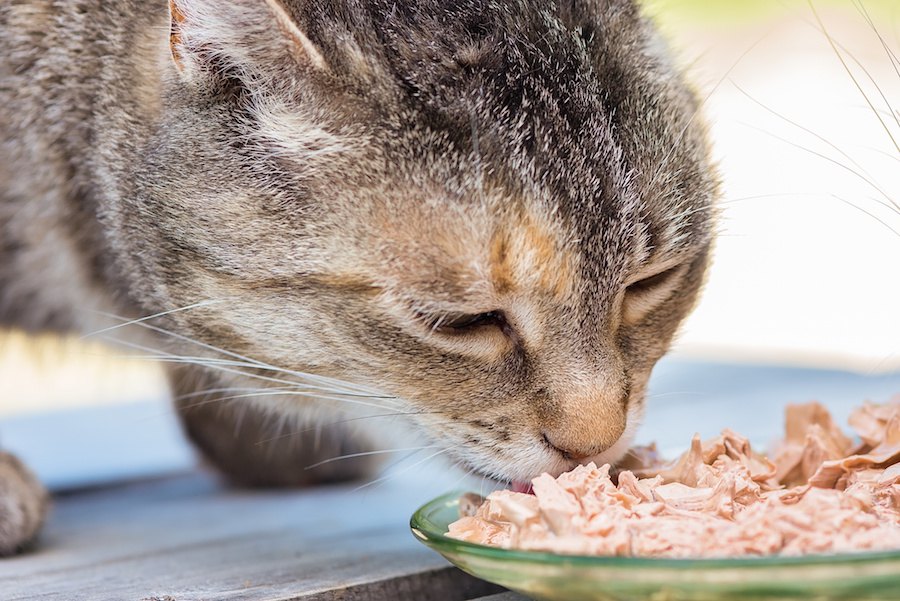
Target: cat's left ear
x=255, y=35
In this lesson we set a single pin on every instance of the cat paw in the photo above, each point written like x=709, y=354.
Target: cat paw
x=23, y=505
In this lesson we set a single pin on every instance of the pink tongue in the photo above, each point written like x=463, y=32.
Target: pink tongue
x=524, y=487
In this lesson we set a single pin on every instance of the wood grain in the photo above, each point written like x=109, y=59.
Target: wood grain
x=189, y=539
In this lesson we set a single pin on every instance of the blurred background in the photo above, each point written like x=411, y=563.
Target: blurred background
x=806, y=274
x=807, y=268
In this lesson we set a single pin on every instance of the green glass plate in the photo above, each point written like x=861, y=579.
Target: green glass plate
x=551, y=577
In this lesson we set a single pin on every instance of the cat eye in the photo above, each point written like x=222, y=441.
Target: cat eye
x=464, y=322
x=654, y=281
x=644, y=295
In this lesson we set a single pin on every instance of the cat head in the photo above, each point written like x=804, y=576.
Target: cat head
x=498, y=212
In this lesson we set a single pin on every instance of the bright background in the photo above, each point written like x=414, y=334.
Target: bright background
x=807, y=268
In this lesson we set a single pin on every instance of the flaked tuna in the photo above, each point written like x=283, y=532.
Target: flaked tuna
x=819, y=493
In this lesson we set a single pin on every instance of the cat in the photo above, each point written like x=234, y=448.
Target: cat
x=490, y=217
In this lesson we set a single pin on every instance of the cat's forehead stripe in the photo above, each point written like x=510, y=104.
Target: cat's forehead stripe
x=528, y=253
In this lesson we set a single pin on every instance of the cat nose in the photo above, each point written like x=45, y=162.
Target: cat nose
x=569, y=454
x=581, y=433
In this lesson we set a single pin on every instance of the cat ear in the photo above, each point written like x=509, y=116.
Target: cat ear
x=240, y=33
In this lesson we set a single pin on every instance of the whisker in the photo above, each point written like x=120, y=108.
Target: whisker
x=160, y=356
x=887, y=154
x=830, y=160
x=771, y=195
x=801, y=127
x=222, y=364
x=309, y=395
x=870, y=214
x=397, y=463
x=366, y=454
x=259, y=364
x=661, y=395
x=662, y=164
x=892, y=57
x=139, y=320
x=209, y=391
x=296, y=385
x=403, y=471
x=270, y=392
x=223, y=368
x=877, y=367
x=466, y=472
x=348, y=420
x=874, y=82
x=840, y=57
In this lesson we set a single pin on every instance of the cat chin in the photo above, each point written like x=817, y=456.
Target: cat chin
x=518, y=476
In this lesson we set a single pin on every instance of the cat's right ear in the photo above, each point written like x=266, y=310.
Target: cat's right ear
x=255, y=37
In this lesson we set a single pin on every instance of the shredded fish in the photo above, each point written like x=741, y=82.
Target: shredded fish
x=818, y=492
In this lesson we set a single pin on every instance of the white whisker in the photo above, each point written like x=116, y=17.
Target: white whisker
x=344, y=421
x=466, y=472
x=869, y=213
x=366, y=454
x=403, y=471
x=300, y=389
x=859, y=175
x=697, y=111
x=805, y=129
x=309, y=395
x=139, y=320
x=254, y=362
x=210, y=391
x=853, y=78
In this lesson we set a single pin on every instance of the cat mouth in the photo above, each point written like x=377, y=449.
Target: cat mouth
x=611, y=455
x=514, y=485
x=523, y=487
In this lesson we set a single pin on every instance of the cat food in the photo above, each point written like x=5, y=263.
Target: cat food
x=819, y=491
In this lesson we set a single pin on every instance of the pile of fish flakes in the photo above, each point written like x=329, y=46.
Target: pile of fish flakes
x=819, y=491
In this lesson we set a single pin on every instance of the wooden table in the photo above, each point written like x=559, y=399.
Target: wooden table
x=187, y=538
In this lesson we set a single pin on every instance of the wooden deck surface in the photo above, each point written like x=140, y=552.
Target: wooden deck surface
x=187, y=538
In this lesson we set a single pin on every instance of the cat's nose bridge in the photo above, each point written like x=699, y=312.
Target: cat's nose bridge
x=585, y=415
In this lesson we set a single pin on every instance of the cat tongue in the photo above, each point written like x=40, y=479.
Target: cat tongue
x=524, y=487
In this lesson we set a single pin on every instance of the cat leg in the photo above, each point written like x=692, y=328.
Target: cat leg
x=247, y=445
x=23, y=505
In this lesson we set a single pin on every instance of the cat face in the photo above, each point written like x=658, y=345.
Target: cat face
x=498, y=213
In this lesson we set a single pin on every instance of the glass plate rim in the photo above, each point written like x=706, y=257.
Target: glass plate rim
x=419, y=524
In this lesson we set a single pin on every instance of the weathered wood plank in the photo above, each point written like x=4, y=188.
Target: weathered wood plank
x=189, y=539
x=448, y=584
